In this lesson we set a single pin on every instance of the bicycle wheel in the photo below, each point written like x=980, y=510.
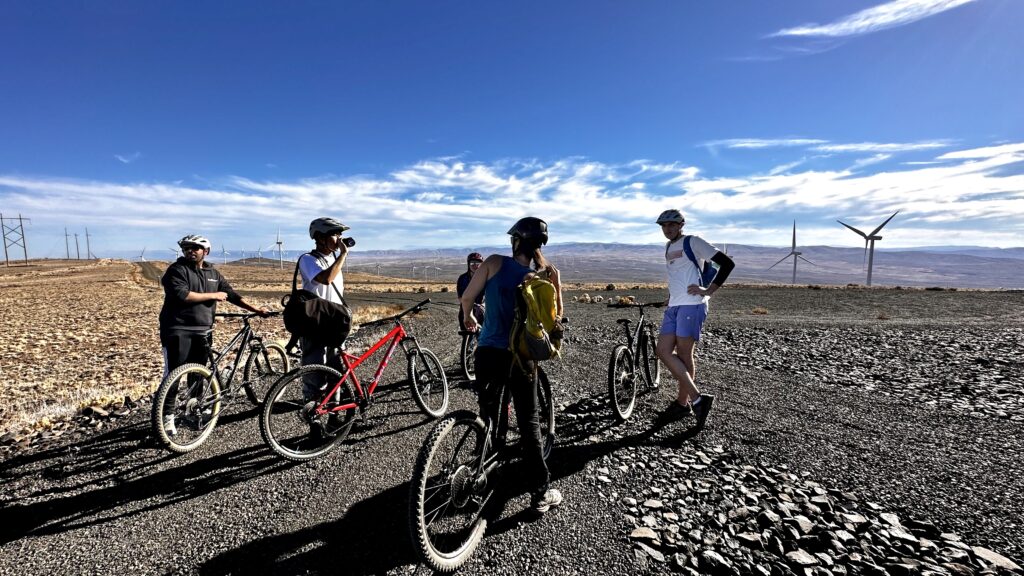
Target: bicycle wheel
x=649, y=358
x=508, y=423
x=622, y=382
x=186, y=408
x=466, y=354
x=428, y=382
x=446, y=494
x=289, y=425
x=264, y=366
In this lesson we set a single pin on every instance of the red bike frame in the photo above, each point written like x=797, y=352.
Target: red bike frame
x=393, y=338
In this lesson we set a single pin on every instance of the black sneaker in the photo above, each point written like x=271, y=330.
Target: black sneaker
x=546, y=500
x=703, y=409
x=674, y=411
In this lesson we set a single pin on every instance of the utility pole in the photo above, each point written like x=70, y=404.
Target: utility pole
x=67, y=249
x=88, y=250
x=78, y=254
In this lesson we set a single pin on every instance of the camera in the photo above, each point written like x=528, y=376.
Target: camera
x=350, y=242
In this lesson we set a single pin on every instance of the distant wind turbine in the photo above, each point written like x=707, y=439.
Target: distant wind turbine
x=796, y=255
x=869, y=240
x=280, y=249
x=224, y=255
x=142, y=255
x=177, y=252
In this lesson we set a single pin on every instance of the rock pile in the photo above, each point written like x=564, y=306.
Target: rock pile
x=707, y=513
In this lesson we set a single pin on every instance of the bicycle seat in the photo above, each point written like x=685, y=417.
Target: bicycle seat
x=623, y=321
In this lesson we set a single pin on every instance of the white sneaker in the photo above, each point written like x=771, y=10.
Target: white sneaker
x=169, y=426
x=544, y=501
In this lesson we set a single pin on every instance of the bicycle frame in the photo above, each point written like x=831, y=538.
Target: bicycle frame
x=350, y=362
x=246, y=337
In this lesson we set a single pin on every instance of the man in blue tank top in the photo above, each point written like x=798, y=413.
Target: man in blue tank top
x=498, y=279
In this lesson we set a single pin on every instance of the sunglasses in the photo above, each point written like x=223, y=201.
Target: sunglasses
x=192, y=248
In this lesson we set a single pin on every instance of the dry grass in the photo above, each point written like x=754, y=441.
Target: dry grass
x=760, y=311
x=84, y=333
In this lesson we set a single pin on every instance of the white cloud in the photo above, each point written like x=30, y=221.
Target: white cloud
x=970, y=193
x=881, y=17
x=757, y=143
x=128, y=158
x=884, y=147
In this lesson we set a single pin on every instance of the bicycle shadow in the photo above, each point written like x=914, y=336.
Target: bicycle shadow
x=371, y=537
x=128, y=489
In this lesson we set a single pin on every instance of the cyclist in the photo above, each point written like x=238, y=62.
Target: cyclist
x=687, y=309
x=473, y=262
x=192, y=288
x=497, y=279
x=321, y=274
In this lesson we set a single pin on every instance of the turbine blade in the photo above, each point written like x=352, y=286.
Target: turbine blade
x=863, y=235
x=806, y=260
x=875, y=231
x=780, y=261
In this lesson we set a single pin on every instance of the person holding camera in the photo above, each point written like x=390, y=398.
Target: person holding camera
x=321, y=275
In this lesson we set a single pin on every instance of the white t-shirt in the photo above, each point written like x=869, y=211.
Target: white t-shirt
x=310, y=266
x=681, y=271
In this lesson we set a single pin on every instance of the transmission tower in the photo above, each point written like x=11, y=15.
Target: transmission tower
x=78, y=255
x=67, y=248
x=14, y=235
x=88, y=250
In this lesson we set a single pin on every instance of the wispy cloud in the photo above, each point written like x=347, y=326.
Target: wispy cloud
x=758, y=143
x=883, y=147
x=974, y=196
x=128, y=158
x=881, y=17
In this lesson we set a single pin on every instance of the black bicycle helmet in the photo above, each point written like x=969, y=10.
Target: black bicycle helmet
x=325, y=226
x=530, y=229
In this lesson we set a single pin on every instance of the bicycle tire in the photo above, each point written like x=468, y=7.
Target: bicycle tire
x=191, y=424
x=263, y=367
x=428, y=382
x=286, y=425
x=509, y=426
x=446, y=503
x=649, y=356
x=622, y=383
x=466, y=353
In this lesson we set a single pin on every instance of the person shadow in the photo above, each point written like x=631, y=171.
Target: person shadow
x=106, y=478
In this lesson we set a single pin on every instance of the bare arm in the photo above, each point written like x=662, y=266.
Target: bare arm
x=327, y=276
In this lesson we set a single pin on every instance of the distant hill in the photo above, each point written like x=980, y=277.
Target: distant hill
x=945, y=266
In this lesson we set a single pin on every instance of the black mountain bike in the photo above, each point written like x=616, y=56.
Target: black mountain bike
x=452, y=481
x=633, y=361
x=188, y=402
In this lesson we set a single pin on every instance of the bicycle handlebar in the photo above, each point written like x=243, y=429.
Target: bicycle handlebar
x=246, y=314
x=413, y=310
x=637, y=305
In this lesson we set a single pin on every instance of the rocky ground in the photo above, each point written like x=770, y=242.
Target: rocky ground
x=855, y=432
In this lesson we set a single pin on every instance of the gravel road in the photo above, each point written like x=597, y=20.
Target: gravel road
x=898, y=408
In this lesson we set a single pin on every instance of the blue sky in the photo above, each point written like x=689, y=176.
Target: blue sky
x=440, y=123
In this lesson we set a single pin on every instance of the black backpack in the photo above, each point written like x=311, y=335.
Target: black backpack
x=307, y=315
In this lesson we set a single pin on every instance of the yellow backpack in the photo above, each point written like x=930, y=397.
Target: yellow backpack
x=536, y=332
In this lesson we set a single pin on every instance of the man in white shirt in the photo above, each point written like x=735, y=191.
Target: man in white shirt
x=685, y=260
x=321, y=274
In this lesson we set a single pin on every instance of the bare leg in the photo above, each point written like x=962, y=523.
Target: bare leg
x=680, y=365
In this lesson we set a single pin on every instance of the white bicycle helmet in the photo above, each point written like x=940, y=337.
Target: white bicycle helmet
x=671, y=215
x=195, y=240
x=325, y=226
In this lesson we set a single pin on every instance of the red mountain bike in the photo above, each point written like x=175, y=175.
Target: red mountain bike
x=300, y=428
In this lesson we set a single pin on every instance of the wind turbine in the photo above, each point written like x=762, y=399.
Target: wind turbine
x=224, y=255
x=796, y=255
x=378, y=268
x=869, y=240
x=280, y=249
x=177, y=252
x=142, y=255
x=259, y=256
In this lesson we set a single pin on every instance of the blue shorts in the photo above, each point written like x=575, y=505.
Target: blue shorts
x=685, y=321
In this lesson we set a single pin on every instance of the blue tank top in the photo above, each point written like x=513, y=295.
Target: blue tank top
x=500, y=296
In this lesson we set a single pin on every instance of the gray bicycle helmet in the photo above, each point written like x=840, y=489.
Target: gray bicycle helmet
x=671, y=215
x=325, y=226
x=194, y=240
x=531, y=229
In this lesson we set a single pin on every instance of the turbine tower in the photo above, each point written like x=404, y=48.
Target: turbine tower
x=280, y=249
x=224, y=255
x=869, y=240
x=796, y=256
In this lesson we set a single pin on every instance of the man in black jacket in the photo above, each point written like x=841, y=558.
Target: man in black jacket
x=192, y=288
